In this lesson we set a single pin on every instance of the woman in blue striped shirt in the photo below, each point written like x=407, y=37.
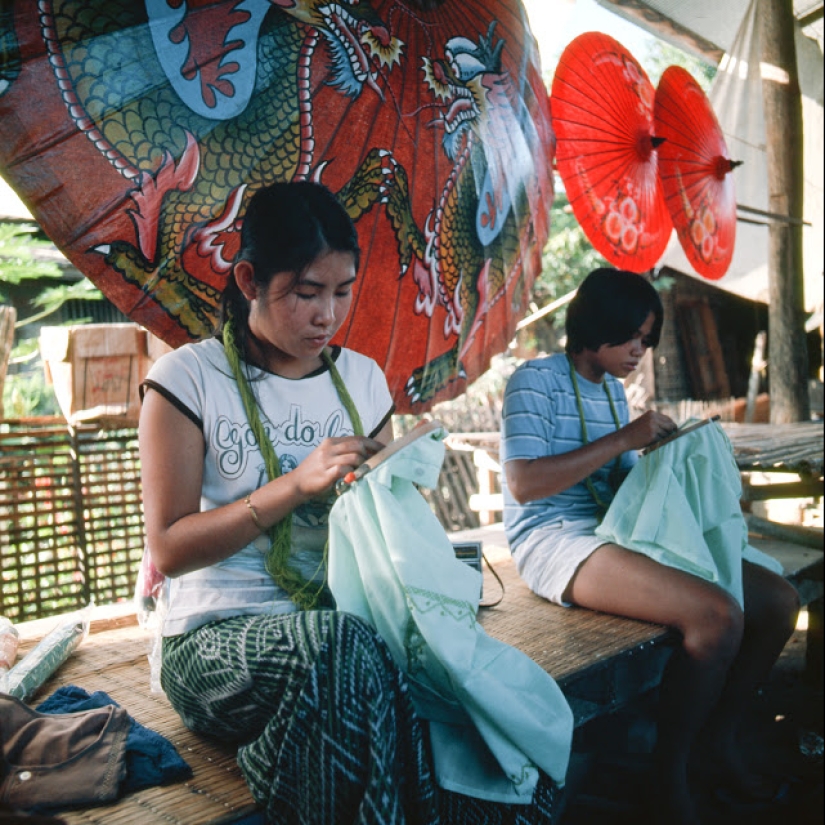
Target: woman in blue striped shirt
x=567, y=441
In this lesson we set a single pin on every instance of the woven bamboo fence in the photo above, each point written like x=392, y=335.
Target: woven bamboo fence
x=71, y=524
x=71, y=527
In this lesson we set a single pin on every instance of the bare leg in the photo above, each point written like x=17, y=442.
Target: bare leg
x=616, y=580
x=771, y=609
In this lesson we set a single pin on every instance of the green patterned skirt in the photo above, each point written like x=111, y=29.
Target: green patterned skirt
x=325, y=726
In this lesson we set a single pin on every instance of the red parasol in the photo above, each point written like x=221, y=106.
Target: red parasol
x=136, y=132
x=602, y=105
x=695, y=171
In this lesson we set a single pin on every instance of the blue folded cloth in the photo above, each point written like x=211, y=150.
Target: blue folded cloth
x=151, y=759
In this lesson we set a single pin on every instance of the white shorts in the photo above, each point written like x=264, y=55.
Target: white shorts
x=550, y=556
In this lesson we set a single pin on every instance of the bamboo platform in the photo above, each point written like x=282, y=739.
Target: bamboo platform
x=601, y=663
x=778, y=448
x=113, y=658
x=790, y=452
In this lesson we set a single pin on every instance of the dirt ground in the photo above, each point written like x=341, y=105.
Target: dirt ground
x=784, y=738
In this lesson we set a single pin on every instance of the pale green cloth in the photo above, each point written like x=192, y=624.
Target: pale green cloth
x=495, y=715
x=680, y=506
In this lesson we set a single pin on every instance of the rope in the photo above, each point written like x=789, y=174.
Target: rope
x=589, y=481
x=277, y=564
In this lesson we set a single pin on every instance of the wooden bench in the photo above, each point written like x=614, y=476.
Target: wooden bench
x=604, y=662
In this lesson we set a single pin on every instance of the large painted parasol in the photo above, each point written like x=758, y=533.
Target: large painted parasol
x=602, y=104
x=695, y=169
x=136, y=132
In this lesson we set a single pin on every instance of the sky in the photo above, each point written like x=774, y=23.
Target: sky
x=556, y=22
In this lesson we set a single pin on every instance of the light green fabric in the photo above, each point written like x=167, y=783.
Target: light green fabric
x=680, y=506
x=495, y=715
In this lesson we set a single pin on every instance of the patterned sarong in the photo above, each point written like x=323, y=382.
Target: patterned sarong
x=325, y=725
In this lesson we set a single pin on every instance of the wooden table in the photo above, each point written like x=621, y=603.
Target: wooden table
x=788, y=449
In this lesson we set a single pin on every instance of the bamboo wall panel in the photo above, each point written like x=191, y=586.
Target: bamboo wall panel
x=71, y=525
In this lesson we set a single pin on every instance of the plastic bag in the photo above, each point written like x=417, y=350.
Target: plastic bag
x=151, y=600
x=32, y=671
x=150, y=582
x=9, y=638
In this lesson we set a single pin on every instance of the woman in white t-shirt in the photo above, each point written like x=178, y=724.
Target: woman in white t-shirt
x=242, y=439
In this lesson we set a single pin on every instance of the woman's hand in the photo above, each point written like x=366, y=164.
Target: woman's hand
x=549, y=475
x=183, y=538
x=649, y=427
x=317, y=474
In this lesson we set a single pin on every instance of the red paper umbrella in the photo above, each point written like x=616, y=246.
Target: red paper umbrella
x=695, y=170
x=602, y=105
x=136, y=133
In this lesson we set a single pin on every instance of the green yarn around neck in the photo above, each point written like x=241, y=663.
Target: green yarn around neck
x=591, y=487
x=302, y=592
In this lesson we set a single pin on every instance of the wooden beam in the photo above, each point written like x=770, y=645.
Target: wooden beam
x=662, y=26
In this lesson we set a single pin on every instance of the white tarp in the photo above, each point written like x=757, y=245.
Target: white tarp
x=736, y=97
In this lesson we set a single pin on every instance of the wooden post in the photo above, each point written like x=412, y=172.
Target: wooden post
x=489, y=502
x=787, y=350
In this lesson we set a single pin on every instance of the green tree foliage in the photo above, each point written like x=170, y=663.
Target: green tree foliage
x=567, y=259
x=660, y=55
x=23, y=257
x=19, y=261
x=568, y=255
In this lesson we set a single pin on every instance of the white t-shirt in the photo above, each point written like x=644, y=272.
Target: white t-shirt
x=297, y=414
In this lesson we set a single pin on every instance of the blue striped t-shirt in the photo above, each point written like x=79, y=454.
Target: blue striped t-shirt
x=540, y=417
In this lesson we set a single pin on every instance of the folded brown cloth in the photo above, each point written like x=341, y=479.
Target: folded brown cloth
x=60, y=760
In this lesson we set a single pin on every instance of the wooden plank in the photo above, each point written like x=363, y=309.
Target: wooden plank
x=703, y=352
x=794, y=533
x=807, y=488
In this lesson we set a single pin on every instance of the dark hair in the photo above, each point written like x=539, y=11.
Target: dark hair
x=286, y=227
x=609, y=308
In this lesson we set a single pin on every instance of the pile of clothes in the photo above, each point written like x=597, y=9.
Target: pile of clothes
x=78, y=749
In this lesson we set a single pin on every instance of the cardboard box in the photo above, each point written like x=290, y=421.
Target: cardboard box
x=96, y=369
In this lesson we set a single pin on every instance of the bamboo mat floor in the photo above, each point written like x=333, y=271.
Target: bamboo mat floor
x=608, y=787
x=114, y=660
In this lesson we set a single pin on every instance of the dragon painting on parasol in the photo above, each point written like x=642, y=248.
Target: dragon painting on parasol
x=137, y=132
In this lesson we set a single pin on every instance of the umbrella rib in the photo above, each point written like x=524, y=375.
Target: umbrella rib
x=583, y=71
x=610, y=111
